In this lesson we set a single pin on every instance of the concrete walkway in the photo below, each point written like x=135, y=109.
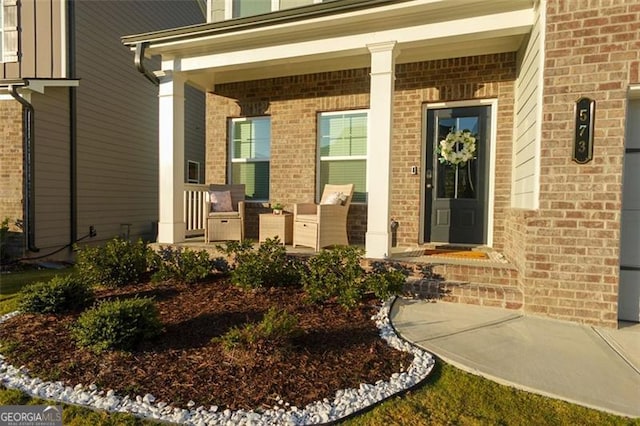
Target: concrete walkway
x=593, y=367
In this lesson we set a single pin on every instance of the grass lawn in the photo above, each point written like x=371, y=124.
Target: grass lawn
x=10, y=285
x=450, y=396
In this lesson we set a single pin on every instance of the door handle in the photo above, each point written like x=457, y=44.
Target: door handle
x=428, y=177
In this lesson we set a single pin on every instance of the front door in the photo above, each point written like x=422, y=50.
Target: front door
x=456, y=175
x=629, y=292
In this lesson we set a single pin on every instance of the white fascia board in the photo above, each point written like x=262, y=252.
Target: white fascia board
x=39, y=86
x=468, y=29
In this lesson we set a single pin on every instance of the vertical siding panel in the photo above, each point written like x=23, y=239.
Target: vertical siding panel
x=57, y=40
x=43, y=39
x=52, y=168
x=11, y=70
x=28, y=45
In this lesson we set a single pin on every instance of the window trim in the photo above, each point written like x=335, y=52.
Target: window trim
x=231, y=160
x=340, y=157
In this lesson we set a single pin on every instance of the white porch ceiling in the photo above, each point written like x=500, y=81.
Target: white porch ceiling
x=423, y=30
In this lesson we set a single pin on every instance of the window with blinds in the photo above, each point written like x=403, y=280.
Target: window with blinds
x=8, y=30
x=250, y=152
x=342, y=146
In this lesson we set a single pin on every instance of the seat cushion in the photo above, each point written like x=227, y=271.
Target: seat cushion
x=220, y=201
x=225, y=215
x=310, y=218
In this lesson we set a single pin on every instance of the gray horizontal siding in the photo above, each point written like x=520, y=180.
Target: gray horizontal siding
x=117, y=123
x=527, y=131
x=194, y=129
x=52, y=176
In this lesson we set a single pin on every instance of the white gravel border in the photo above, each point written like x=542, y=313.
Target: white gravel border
x=346, y=402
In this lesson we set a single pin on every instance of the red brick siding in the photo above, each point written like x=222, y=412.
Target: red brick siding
x=571, y=249
x=11, y=162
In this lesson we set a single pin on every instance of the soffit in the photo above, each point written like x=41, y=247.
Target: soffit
x=424, y=30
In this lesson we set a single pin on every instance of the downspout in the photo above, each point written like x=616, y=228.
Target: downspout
x=139, y=62
x=73, y=134
x=29, y=168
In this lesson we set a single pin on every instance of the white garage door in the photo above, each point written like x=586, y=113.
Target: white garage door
x=629, y=296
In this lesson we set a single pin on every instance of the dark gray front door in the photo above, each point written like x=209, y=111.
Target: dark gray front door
x=457, y=175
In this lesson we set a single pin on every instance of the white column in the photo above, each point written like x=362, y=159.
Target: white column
x=171, y=226
x=378, y=237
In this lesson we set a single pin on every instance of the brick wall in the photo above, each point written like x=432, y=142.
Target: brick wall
x=571, y=248
x=293, y=103
x=11, y=162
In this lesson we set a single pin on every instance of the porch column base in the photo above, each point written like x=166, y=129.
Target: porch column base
x=170, y=233
x=377, y=245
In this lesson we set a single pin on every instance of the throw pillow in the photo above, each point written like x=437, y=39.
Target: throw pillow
x=335, y=198
x=221, y=201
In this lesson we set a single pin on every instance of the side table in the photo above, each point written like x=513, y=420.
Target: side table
x=280, y=225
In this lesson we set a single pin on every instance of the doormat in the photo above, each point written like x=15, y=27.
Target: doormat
x=461, y=253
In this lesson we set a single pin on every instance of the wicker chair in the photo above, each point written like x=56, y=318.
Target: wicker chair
x=325, y=224
x=225, y=220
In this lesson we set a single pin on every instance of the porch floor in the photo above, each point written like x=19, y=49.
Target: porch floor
x=478, y=275
x=410, y=254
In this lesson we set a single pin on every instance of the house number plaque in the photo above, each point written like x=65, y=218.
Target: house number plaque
x=583, y=138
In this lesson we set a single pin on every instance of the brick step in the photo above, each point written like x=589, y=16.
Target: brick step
x=498, y=296
x=462, y=281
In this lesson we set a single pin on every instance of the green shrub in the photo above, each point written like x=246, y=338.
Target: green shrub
x=117, y=324
x=276, y=330
x=336, y=274
x=386, y=280
x=268, y=266
x=119, y=262
x=61, y=294
x=185, y=265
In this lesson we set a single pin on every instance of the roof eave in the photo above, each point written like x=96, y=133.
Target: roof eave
x=255, y=22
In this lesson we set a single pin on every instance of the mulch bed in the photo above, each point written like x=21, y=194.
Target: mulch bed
x=338, y=349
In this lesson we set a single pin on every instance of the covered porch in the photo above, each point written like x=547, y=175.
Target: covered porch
x=322, y=38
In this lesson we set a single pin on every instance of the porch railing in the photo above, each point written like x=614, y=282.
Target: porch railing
x=194, y=209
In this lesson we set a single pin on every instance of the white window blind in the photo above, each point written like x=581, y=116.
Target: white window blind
x=250, y=149
x=342, y=145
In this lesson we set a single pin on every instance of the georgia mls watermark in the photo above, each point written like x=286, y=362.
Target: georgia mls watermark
x=31, y=415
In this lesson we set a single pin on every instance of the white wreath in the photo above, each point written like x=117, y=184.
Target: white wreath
x=457, y=148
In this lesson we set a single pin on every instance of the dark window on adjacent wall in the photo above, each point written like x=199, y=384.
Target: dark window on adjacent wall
x=193, y=172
